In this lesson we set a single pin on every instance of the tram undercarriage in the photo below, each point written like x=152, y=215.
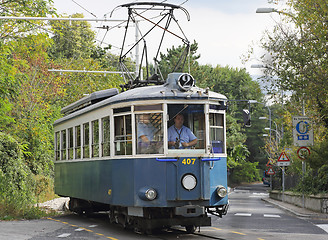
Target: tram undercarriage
x=145, y=220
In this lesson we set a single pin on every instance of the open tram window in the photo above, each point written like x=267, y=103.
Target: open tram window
x=57, y=146
x=86, y=148
x=70, y=143
x=186, y=126
x=95, y=138
x=149, y=131
x=78, y=142
x=123, y=135
x=63, y=145
x=216, y=132
x=105, y=139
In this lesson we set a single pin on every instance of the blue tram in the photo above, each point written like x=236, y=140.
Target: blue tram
x=102, y=162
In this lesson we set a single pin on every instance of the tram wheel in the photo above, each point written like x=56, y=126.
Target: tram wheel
x=190, y=228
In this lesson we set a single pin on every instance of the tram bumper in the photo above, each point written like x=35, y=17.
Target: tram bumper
x=200, y=221
x=190, y=211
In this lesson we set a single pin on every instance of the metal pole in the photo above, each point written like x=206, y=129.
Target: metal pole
x=283, y=183
x=62, y=19
x=137, y=51
x=270, y=143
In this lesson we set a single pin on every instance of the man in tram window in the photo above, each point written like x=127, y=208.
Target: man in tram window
x=145, y=128
x=180, y=136
x=145, y=133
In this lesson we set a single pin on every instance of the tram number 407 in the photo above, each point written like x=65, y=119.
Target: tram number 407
x=188, y=161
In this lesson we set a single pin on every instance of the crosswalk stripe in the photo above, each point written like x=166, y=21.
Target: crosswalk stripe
x=64, y=235
x=271, y=215
x=323, y=227
x=243, y=214
x=79, y=229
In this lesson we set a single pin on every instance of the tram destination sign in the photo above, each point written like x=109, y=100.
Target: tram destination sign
x=302, y=131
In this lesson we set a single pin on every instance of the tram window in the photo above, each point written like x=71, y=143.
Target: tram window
x=216, y=133
x=193, y=123
x=63, y=145
x=123, y=135
x=57, y=146
x=70, y=143
x=86, y=152
x=77, y=142
x=105, y=140
x=95, y=138
x=154, y=107
x=149, y=131
x=122, y=110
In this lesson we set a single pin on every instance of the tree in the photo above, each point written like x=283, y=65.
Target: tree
x=297, y=54
x=11, y=29
x=73, y=39
x=169, y=61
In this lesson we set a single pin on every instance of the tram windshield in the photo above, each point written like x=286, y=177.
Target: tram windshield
x=186, y=126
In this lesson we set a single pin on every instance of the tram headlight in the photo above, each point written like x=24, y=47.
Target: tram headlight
x=221, y=191
x=151, y=194
x=189, y=182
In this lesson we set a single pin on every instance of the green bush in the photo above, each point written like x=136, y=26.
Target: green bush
x=16, y=179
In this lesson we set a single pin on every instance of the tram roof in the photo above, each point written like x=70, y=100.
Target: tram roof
x=168, y=91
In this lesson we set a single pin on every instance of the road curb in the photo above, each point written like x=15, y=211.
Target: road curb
x=293, y=211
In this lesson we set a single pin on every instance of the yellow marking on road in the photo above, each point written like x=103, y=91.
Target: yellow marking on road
x=88, y=230
x=112, y=238
x=239, y=233
x=260, y=239
x=216, y=228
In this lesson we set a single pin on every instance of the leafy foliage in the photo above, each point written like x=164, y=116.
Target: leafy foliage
x=15, y=178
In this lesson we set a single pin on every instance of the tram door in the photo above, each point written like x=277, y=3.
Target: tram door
x=186, y=177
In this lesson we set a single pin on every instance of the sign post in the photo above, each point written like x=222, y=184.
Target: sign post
x=283, y=161
x=303, y=137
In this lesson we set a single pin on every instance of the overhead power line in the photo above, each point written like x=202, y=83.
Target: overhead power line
x=61, y=19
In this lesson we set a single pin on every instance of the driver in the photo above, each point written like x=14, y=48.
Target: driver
x=180, y=136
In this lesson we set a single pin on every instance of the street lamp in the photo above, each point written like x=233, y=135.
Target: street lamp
x=266, y=10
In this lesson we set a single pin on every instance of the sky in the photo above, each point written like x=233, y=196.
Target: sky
x=223, y=29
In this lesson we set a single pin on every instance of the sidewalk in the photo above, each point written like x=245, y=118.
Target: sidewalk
x=298, y=211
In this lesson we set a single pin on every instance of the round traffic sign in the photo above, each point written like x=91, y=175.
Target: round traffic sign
x=303, y=153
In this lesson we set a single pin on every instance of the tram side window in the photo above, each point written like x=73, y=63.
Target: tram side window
x=86, y=150
x=123, y=135
x=149, y=130
x=70, y=143
x=57, y=146
x=95, y=138
x=216, y=133
x=63, y=145
x=105, y=140
x=77, y=142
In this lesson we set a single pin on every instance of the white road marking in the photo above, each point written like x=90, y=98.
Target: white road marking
x=323, y=227
x=92, y=226
x=243, y=214
x=271, y=216
x=64, y=235
x=79, y=229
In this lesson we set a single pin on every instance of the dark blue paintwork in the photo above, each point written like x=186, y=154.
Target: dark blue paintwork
x=118, y=181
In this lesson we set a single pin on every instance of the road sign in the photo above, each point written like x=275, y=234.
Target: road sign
x=302, y=131
x=270, y=171
x=283, y=160
x=303, y=153
x=270, y=162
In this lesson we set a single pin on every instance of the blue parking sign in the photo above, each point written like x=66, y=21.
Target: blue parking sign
x=302, y=131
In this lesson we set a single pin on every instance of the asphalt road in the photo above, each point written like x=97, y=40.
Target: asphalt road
x=248, y=218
